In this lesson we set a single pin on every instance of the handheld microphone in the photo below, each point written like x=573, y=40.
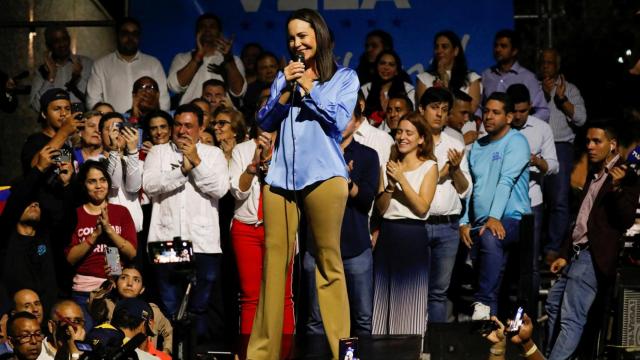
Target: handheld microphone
x=299, y=57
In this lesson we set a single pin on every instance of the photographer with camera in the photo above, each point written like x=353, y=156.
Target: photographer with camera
x=58, y=124
x=65, y=327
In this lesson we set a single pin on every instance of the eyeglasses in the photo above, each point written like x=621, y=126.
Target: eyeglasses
x=23, y=339
x=221, y=123
x=147, y=87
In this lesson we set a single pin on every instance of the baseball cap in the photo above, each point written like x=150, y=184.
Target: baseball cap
x=52, y=95
x=136, y=308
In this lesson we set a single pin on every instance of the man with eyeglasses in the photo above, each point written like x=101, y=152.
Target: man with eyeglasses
x=146, y=98
x=66, y=325
x=113, y=75
x=25, y=336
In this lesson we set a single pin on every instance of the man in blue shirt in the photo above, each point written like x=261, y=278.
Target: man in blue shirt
x=508, y=71
x=355, y=241
x=499, y=165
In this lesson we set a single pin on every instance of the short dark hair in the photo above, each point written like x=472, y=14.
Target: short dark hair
x=50, y=30
x=123, y=320
x=108, y=116
x=214, y=82
x=127, y=20
x=518, y=93
x=208, y=16
x=461, y=96
x=510, y=34
x=84, y=171
x=504, y=99
x=146, y=120
x=11, y=331
x=436, y=95
x=190, y=108
x=608, y=125
x=405, y=98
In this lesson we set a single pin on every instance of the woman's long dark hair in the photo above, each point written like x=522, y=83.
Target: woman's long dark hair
x=372, y=103
x=459, y=70
x=325, y=63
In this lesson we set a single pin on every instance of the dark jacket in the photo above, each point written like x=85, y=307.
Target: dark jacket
x=613, y=212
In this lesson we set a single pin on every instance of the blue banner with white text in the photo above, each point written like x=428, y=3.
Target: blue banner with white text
x=168, y=26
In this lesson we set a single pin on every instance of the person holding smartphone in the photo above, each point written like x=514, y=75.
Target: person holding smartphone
x=211, y=59
x=100, y=225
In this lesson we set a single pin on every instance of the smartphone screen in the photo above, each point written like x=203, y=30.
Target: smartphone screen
x=113, y=260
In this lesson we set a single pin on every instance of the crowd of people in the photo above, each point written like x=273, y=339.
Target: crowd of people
x=253, y=148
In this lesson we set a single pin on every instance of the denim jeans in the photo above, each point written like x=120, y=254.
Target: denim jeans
x=172, y=285
x=358, y=272
x=490, y=258
x=443, y=244
x=556, y=195
x=568, y=305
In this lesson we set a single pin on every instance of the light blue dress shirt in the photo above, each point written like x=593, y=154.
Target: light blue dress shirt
x=307, y=148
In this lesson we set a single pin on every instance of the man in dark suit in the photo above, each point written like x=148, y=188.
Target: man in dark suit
x=588, y=257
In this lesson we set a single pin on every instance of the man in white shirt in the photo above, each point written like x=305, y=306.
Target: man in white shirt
x=397, y=107
x=446, y=207
x=113, y=75
x=185, y=180
x=61, y=68
x=544, y=160
x=367, y=135
x=212, y=59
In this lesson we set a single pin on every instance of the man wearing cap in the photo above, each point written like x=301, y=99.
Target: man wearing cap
x=133, y=316
x=46, y=177
x=58, y=124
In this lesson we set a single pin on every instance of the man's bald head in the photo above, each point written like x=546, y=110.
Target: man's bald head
x=29, y=301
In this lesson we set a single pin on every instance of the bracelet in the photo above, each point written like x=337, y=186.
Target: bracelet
x=133, y=153
x=497, y=352
x=389, y=192
x=531, y=351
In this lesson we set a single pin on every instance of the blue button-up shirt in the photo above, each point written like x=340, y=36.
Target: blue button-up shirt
x=309, y=131
x=493, y=80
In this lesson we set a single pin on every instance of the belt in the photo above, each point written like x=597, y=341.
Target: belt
x=578, y=248
x=442, y=219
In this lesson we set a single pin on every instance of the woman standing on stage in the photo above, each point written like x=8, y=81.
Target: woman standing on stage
x=401, y=255
x=307, y=171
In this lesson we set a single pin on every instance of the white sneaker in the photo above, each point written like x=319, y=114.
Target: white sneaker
x=481, y=312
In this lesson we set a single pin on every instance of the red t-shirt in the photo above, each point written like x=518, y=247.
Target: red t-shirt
x=93, y=263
